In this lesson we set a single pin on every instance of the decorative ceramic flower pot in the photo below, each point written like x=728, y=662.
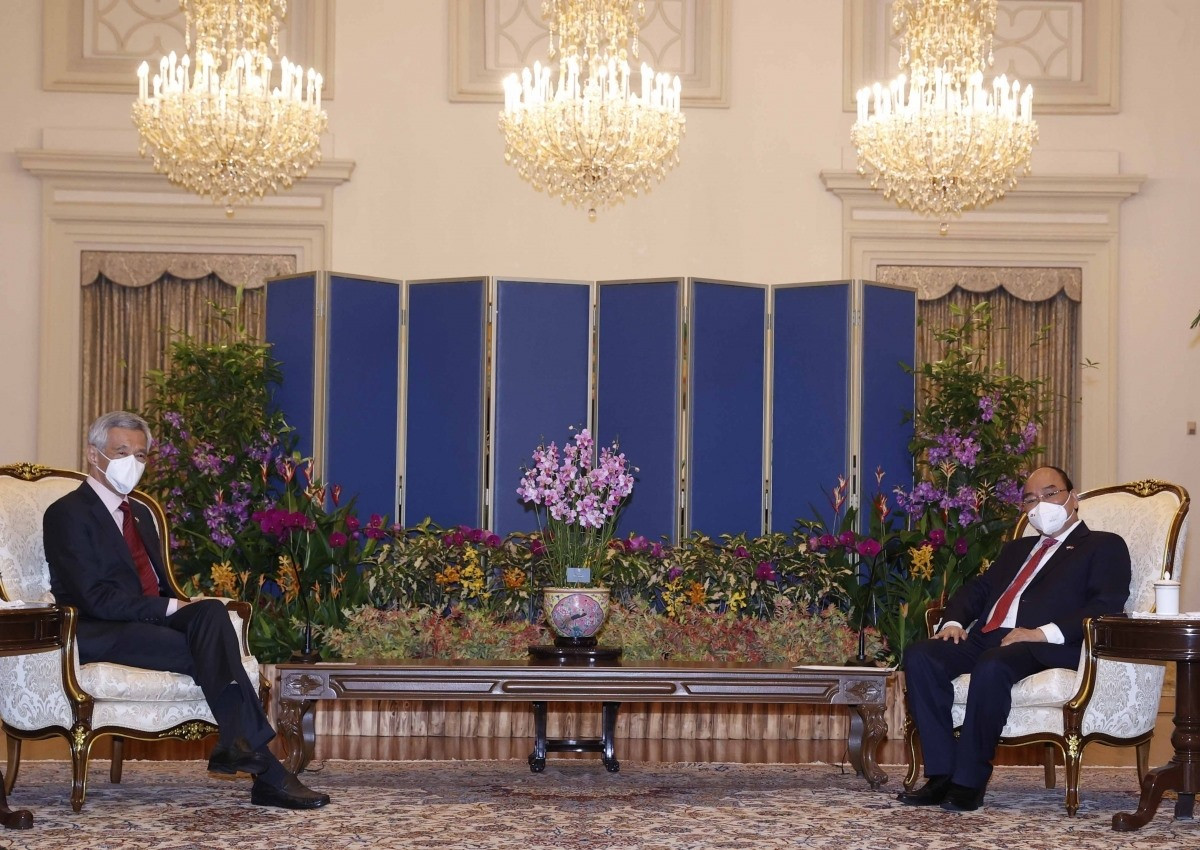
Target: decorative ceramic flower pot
x=575, y=612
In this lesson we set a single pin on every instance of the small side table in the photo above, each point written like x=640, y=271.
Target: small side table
x=1167, y=639
x=30, y=628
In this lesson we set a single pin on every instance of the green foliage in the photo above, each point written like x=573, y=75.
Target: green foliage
x=790, y=636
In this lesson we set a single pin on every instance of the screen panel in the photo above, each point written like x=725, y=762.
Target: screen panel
x=291, y=332
x=638, y=396
x=810, y=416
x=541, y=386
x=444, y=410
x=362, y=391
x=725, y=386
x=888, y=390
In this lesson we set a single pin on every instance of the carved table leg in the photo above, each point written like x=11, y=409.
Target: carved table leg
x=537, y=759
x=868, y=728
x=608, y=743
x=1182, y=772
x=18, y=819
x=298, y=731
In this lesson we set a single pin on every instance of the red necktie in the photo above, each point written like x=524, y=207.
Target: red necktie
x=1006, y=599
x=141, y=558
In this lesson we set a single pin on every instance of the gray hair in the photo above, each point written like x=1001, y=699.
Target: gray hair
x=97, y=435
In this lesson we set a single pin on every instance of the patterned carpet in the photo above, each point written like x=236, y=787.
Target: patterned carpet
x=574, y=804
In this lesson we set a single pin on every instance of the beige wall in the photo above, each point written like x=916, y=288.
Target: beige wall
x=431, y=195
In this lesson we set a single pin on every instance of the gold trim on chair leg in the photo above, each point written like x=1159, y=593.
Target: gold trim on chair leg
x=81, y=748
x=1073, y=760
x=14, y=763
x=912, y=744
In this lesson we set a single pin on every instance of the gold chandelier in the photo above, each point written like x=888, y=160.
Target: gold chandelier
x=215, y=126
x=595, y=137
x=940, y=141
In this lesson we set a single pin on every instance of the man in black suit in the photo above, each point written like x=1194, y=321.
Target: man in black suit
x=1028, y=610
x=106, y=559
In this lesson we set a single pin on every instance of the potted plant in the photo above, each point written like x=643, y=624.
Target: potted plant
x=576, y=496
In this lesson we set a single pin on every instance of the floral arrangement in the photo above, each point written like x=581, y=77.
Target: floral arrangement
x=576, y=499
x=975, y=441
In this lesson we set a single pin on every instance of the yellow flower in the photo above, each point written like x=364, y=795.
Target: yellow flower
x=223, y=580
x=696, y=593
x=737, y=601
x=450, y=575
x=513, y=578
x=673, y=599
x=472, y=580
x=922, y=561
x=287, y=579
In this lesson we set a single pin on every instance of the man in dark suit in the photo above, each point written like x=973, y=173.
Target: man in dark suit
x=1028, y=610
x=106, y=559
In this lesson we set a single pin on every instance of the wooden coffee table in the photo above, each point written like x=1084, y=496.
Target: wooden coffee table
x=29, y=628
x=862, y=689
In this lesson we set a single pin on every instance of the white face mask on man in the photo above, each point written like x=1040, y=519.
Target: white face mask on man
x=1048, y=517
x=123, y=473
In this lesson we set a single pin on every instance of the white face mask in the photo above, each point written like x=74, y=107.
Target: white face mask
x=123, y=473
x=1048, y=517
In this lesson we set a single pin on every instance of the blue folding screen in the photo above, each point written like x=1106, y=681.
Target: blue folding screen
x=725, y=400
x=889, y=342
x=541, y=385
x=350, y=363
x=810, y=392
x=444, y=402
x=291, y=333
x=639, y=330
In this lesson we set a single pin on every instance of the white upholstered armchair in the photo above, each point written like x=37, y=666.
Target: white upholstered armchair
x=1106, y=701
x=51, y=694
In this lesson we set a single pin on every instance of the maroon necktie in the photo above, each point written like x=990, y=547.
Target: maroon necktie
x=1006, y=599
x=141, y=558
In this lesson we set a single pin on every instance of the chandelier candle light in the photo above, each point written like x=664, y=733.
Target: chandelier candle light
x=939, y=140
x=595, y=137
x=216, y=127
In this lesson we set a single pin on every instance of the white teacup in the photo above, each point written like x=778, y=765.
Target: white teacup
x=1166, y=597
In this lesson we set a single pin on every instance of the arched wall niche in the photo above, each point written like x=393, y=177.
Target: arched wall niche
x=95, y=201
x=1048, y=221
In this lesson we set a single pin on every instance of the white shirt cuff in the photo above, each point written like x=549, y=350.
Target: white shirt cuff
x=1053, y=633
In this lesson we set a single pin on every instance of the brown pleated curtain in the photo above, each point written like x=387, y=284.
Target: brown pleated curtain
x=1027, y=305
x=127, y=327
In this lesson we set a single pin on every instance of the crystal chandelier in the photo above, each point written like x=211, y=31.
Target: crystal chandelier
x=940, y=141
x=594, y=138
x=216, y=127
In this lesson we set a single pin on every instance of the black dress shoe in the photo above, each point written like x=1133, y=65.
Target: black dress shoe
x=237, y=758
x=960, y=798
x=292, y=795
x=932, y=793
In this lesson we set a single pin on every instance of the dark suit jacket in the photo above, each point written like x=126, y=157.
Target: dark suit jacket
x=92, y=568
x=1087, y=576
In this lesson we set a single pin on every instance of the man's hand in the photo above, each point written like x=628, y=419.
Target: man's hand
x=954, y=633
x=1019, y=635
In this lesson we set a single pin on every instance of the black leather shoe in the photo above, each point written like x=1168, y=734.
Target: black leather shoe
x=932, y=793
x=960, y=798
x=293, y=795
x=237, y=758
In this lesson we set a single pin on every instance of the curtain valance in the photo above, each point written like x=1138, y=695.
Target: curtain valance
x=1027, y=284
x=142, y=268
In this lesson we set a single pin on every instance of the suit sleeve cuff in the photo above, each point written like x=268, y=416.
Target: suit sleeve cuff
x=1053, y=633
x=947, y=623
